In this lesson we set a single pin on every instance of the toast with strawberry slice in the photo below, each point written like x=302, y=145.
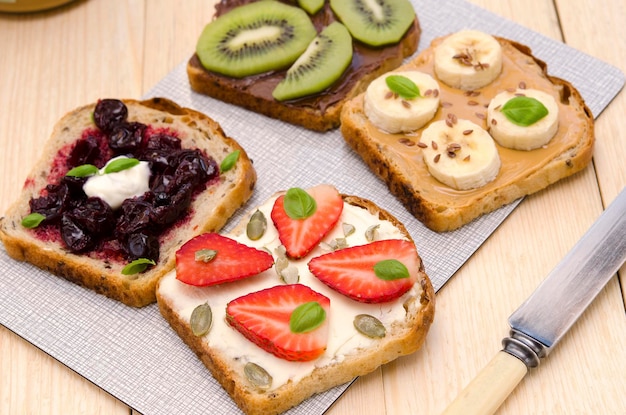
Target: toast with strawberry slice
x=343, y=292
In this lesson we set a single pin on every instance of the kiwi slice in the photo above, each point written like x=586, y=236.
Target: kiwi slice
x=375, y=22
x=311, y=6
x=255, y=38
x=323, y=62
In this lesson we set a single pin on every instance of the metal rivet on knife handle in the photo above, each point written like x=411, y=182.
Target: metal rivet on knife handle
x=542, y=320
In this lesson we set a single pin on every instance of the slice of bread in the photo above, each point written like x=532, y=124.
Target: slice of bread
x=318, y=112
x=349, y=354
x=397, y=159
x=100, y=270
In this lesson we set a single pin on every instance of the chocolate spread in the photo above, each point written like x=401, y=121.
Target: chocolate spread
x=365, y=60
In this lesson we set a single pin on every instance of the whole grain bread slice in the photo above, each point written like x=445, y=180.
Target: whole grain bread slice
x=405, y=335
x=209, y=210
x=318, y=112
x=397, y=159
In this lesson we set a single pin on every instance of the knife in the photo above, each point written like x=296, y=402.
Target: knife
x=542, y=320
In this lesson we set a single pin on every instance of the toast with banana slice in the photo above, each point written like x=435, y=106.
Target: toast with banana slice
x=470, y=124
x=312, y=289
x=119, y=185
x=305, y=65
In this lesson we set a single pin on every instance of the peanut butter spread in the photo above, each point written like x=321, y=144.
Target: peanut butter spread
x=519, y=71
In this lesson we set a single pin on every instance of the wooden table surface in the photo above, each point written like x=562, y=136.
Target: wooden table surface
x=54, y=61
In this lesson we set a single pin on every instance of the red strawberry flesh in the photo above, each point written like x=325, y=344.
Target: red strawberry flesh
x=232, y=262
x=350, y=271
x=263, y=318
x=300, y=236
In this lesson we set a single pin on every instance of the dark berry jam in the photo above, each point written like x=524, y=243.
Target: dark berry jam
x=88, y=224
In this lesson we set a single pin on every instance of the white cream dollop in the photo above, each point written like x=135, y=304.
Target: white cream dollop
x=115, y=187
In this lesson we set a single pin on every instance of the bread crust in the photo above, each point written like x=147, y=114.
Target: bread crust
x=446, y=212
x=209, y=210
x=319, y=113
x=401, y=340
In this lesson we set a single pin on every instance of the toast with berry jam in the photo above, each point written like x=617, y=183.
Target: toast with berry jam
x=320, y=288
x=119, y=186
x=536, y=128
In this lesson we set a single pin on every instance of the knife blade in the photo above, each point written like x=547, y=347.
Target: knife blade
x=544, y=318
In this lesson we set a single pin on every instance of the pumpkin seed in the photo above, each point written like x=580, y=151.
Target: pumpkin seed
x=205, y=255
x=280, y=251
x=290, y=275
x=371, y=233
x=339, y=243
x=256, y=226
x=348, y=229
x=201, y=319
x=370, y=326
x=280, y=264
x=258, y=376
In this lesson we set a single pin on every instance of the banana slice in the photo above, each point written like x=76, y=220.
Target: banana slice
x=392, y=113
x=468, y=60
x=528, y=126
x=460, y=153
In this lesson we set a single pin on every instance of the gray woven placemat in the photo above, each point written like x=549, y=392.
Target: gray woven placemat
x=135, y=356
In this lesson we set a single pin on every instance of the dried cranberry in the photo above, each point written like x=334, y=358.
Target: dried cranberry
x=86, y=151
x=134, y=217
x=75, y=188
x=163, y=141
x=76, y=239
x=159, y=185
x=194, y=167
x=142, y=245
x=53, y=203
x=94, y=216
x=109, y=113
x=169, y=211
x=126, y=137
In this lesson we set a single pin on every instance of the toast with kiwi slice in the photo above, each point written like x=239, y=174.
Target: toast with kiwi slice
x=240, y=329
x=299, y=63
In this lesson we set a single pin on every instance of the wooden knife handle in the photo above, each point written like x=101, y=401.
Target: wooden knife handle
x=489, y=389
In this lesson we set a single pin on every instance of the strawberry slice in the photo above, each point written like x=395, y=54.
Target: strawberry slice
x=210, y=259
x=304, y=218
x=264, y=318
x=369, y=273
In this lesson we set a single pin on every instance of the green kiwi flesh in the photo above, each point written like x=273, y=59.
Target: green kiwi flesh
x=311, y=6
x=255, y=38
x=375, y=22
x=323, y=62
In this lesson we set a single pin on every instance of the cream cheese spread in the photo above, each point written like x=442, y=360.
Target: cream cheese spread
x=343, y=337
x=116, y=187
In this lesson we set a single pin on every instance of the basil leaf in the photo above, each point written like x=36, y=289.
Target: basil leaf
x=137, y=266
x=524, y=111
x=307, y=317
x=403, y=86
x=299, y=204
x=229, y=161
x=120, y=164
x=390, y=269
x=83, y=170
x=33, y=220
